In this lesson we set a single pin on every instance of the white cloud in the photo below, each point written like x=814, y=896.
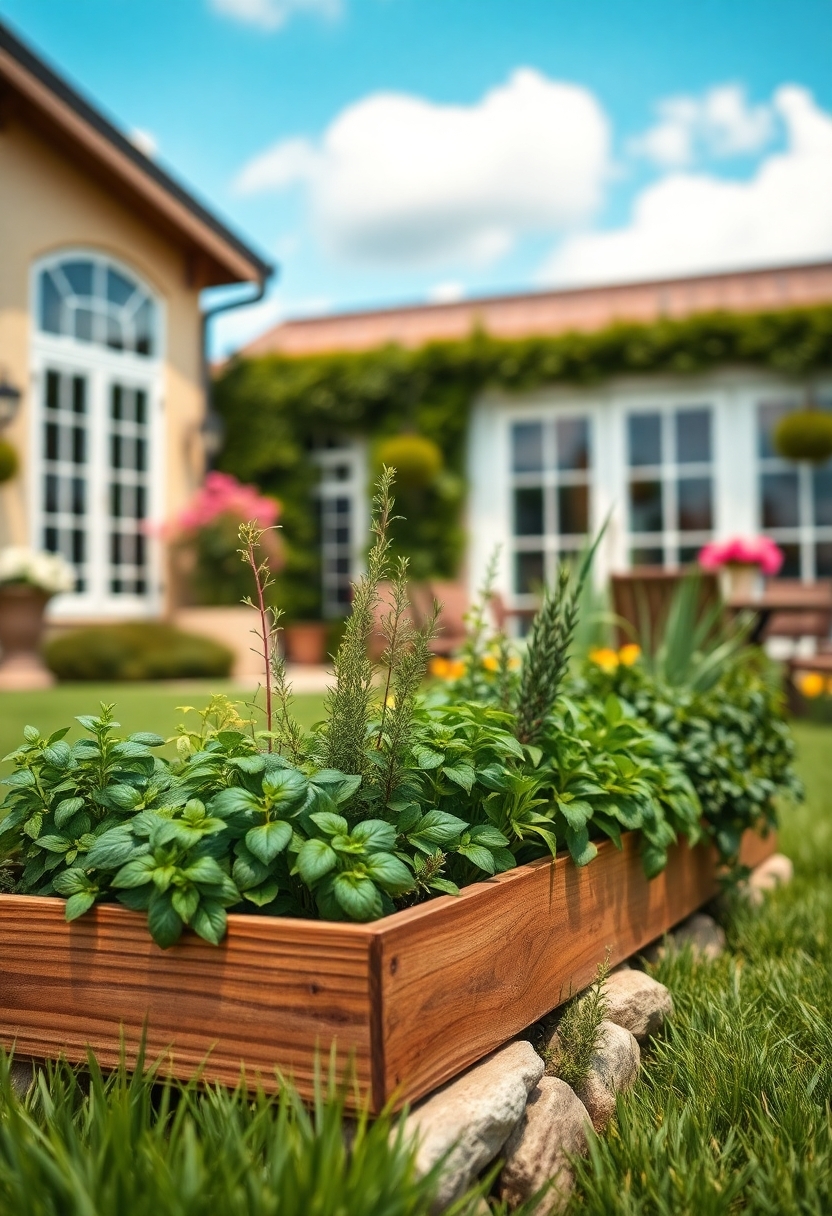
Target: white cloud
x=397, y=179
x=689, y=223
x=145, y=141
x=272, y=14
x=720, y=123
x=446, y=292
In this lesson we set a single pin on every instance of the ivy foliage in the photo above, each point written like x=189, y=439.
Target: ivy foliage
x=277, y=408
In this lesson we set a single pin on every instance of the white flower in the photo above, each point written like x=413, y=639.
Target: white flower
x=50, y=572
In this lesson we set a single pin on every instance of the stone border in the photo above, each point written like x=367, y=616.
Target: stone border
x=506, y=1107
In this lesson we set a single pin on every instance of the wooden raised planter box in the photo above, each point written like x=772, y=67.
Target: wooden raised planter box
x=413, y=998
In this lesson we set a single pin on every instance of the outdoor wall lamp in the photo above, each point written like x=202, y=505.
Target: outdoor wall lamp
x=10, y=397
x=212, y=433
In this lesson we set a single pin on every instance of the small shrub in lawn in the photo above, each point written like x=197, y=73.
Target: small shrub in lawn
x=141, y=650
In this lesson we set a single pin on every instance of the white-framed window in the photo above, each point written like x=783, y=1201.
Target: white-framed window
x=551, y=470
x=669, y=453
x=96, y=433
x=341, y=496
x=794, y=499
x=89, y=298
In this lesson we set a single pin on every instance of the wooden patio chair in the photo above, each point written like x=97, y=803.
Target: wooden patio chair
x=641, y=598
x=454, y=600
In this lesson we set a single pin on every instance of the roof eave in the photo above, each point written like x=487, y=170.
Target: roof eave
x=66, y=112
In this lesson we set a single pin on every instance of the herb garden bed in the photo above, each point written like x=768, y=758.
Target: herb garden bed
x=413, y=998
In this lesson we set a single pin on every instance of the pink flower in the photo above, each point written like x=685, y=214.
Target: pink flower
x=222, y=494
x=740, y=551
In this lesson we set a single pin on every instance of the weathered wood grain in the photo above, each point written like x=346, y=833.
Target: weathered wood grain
x=411, y=1000
x=461, y=976
x=267, y=997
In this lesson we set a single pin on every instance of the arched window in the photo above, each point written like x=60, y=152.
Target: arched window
x=91, y=300
x=97, y=372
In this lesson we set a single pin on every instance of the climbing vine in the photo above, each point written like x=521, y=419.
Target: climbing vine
x=276, y=409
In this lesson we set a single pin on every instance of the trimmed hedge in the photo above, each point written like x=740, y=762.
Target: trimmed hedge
x=140, y=650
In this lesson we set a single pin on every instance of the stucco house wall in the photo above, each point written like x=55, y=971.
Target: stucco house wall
x=48, y=204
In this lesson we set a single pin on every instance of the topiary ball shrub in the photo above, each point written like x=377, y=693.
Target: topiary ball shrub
x=805, y=435
x=9, y=461
x=416, y=459
x=140, y=650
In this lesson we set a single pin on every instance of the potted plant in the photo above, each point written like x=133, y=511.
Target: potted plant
x=741, y=562
x=28, y=580
x=805, y=435
x=305, y=642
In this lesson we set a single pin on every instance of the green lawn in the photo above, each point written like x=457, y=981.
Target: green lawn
x=732, y=1111
x=138, y=706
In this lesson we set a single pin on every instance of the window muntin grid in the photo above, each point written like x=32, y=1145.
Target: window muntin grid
x=65, y=461
x=670, y=484
x=129, y=489
x=340, y=520
x=794, y=500
x=550, y=487
x=90, y=300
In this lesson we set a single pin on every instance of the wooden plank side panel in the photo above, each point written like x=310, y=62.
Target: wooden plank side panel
x=462, y=978
x=412, y=999
x=268, y=997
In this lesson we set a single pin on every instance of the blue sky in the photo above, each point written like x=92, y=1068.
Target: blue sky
x=395, y=150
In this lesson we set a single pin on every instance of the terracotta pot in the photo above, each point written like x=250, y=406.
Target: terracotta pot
x=306, y=642
x=741, y=581
x=21, y=632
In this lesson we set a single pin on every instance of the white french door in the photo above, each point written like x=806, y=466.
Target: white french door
x=96, y=485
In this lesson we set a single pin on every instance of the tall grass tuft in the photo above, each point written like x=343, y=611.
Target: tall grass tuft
x=126, y=1145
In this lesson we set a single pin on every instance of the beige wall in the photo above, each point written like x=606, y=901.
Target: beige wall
x=47, y=202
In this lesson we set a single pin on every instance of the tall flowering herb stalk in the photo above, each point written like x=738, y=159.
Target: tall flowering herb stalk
x=348, y=704
x=547, y=657
x=406, y=656
x=280, y=725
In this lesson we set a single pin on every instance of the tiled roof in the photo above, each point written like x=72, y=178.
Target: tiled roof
x=552, y=312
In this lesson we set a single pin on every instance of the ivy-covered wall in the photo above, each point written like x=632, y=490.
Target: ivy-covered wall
x=276, y=408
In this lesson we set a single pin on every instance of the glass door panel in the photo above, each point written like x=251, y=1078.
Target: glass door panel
x=65, y=487
x=129, y=489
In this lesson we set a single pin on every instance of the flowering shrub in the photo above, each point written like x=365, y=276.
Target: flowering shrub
x=812, y=684
x=205, y=531
x=608, y=659
x=222, y=494
x=49, y=572
x=761, y=551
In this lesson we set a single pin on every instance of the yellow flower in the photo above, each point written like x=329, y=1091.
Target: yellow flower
x=456, y=668
x=439, y=667
x=391, y=701
x=629, y=654
x=810, y=683
x=490, y=662
x=606, y=659
x=514, y=663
